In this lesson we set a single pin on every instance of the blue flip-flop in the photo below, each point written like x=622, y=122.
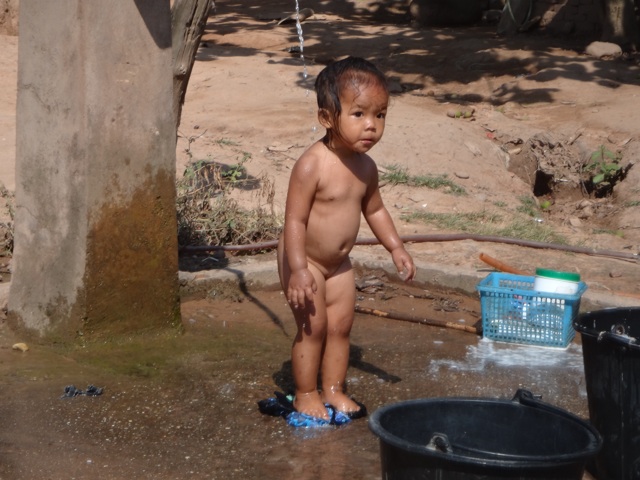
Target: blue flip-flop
x=282, y=406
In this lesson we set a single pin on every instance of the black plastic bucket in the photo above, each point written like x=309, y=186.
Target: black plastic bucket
x=611, y=352
x=466, y=438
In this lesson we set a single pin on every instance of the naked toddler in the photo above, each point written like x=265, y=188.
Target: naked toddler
x=332, y=184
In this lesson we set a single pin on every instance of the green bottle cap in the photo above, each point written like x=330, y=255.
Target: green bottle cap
x=566, y=276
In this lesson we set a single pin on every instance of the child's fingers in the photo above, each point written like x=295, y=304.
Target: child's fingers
x=309, y=293
x=299, y=297
x=295, y=299
x=409, y=269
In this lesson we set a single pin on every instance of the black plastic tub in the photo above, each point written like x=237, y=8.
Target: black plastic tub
x=611, y=353
x=475, y=438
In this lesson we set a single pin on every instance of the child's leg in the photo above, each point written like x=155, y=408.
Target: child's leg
x=306, y=351
x=341, y=299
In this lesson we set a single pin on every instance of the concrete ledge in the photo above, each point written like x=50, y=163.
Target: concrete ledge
x=252, y=275
x=255, y=275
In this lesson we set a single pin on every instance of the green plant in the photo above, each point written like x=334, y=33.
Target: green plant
x=236, y=172
x=633, y=203
x=603, y=166
x=227, y=142
x=490, y=224
x=545, y=205
x=616, y=233
x=527, y=206
x=398, y=175
x=395, y=174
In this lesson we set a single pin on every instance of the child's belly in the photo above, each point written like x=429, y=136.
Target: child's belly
x=330, y=241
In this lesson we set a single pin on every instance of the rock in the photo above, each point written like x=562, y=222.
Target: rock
x=23, y=347
x=586, y=212
x=603, y=49
x=463, y=175
x=575, y=222
x=473, y=149
x=615, y=274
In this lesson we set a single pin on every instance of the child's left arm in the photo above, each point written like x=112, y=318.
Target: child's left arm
x=381, y=223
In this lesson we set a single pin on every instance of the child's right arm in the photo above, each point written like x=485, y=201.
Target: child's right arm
x=302, y=189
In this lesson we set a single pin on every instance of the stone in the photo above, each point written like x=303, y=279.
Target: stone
x=603, y=50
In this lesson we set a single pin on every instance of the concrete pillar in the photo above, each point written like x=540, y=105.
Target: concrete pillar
x=95, y=227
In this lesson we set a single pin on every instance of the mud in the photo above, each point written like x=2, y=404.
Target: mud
x=186, y=405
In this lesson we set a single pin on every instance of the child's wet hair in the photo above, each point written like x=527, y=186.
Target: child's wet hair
x=350, y=72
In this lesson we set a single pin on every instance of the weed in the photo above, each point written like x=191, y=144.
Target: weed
x=190, y=139
x=489, y=223
x=6, y=228
x=206, y=214
x=616, y=233
x=603, y=164
x=236, y=172
x=225, y=142
x=396, y=175
x=603, y=172
x=633, y=203
x=528, y=206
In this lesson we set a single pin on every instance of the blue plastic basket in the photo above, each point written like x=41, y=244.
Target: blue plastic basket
x=512, y=311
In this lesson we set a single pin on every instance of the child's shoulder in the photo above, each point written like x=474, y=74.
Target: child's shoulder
x=314, y=153
x=316, y=149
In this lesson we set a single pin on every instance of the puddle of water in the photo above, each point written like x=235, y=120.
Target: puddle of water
x=487, y=352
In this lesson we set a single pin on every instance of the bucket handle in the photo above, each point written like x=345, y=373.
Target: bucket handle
x=618, y=334
x=528, y=399
x=440, y=443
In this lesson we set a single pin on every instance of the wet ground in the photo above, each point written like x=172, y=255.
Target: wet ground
x=185, y=406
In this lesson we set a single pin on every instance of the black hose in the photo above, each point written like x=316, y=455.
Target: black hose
x=445, y=237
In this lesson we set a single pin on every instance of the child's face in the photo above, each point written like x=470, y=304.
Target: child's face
x=362, y=119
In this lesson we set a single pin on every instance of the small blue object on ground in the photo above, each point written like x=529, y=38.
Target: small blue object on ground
x=282, y=406
x=71, y=391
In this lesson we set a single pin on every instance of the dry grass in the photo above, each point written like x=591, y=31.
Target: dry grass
x=208, y=216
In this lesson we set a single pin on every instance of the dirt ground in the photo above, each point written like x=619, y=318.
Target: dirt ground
x=537, y=102
x=185, y=406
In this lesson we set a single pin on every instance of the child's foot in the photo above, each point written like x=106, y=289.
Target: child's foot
x=311, y=404
x=343, y=403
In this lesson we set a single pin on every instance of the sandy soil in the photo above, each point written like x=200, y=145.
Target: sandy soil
x=248, y=94
x=186, y=407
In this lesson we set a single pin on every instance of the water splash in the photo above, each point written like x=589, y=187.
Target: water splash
x=305, y=73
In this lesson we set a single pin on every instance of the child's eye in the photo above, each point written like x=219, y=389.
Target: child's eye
x=357, y=114
x=382, y=115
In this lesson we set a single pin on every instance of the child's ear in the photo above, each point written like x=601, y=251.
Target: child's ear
x=324, y=118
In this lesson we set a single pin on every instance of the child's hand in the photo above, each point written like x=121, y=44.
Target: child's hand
x=404, y=263
x=302, y=287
